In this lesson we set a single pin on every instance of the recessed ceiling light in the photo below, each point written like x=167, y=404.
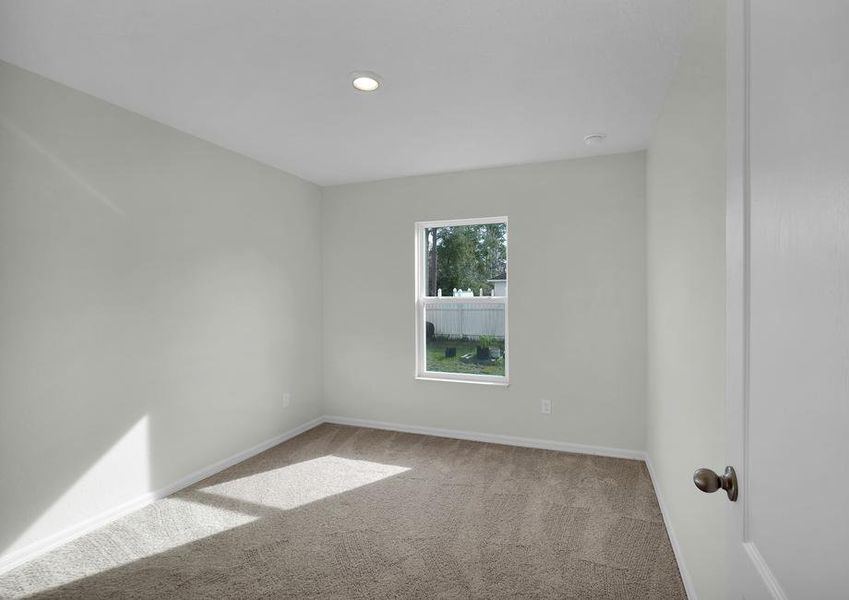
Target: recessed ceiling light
x=366, y=82
x=594, y=139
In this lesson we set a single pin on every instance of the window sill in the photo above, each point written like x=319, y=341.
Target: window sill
x=505, y=383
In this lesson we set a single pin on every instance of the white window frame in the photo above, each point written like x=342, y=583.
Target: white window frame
x=421, y=298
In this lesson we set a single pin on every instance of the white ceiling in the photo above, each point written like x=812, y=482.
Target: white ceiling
x=467, y=83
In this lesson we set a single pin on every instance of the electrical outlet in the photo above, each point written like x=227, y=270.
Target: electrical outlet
x=287, y=400
x=545, y=406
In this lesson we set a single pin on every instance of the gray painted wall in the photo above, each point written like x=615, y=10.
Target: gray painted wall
x=158, y=295
x=686, y=297
x=577, y=300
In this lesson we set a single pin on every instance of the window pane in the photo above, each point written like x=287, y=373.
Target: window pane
x=466, y=260
x=465, y=338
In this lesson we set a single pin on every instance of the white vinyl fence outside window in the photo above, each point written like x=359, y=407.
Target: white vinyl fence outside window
x=466, y=320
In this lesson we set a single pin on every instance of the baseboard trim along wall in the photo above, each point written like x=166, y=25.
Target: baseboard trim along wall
x=492, y=438
x=35, y=549
x=670, y=531
x=18, y=557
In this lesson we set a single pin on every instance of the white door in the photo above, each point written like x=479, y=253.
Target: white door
x=788, y=298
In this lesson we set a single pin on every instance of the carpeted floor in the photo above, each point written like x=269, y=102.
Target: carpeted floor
x=346, y=512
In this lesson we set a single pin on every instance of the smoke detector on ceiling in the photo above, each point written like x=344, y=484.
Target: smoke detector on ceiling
x=594, y=139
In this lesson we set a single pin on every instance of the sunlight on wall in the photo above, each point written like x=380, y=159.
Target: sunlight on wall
x=120, y=475
x=59, y=164
x=304, y=482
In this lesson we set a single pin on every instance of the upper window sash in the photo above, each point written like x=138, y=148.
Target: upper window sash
x=421, y=254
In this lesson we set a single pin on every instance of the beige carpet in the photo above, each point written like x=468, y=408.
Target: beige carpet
x=345, y=512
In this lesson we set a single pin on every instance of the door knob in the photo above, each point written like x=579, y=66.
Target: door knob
x=708, y=481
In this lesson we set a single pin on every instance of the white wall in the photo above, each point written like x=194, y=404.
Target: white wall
x=158, y=295
x=686, y=297
x=577, y=300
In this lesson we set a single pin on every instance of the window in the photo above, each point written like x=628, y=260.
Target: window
x=461, y=300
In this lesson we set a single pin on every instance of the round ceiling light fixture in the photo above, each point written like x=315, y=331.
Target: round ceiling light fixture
x=594, y=139
x=365, y=81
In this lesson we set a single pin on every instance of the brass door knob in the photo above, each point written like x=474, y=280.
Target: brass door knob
x=708, y=481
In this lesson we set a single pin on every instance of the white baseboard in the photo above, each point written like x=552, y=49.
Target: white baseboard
x=676, y=547
x=39, y=547
x=492, y=438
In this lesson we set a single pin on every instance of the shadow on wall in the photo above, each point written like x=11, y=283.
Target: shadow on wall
x=140, y=331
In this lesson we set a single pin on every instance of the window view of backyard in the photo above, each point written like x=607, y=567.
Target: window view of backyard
x=470, y=262
x=453, y=355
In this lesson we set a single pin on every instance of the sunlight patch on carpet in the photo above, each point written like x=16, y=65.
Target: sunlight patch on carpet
x=156, y=529
x=301, y=483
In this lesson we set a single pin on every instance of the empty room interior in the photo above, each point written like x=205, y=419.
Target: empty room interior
x=481, y=299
